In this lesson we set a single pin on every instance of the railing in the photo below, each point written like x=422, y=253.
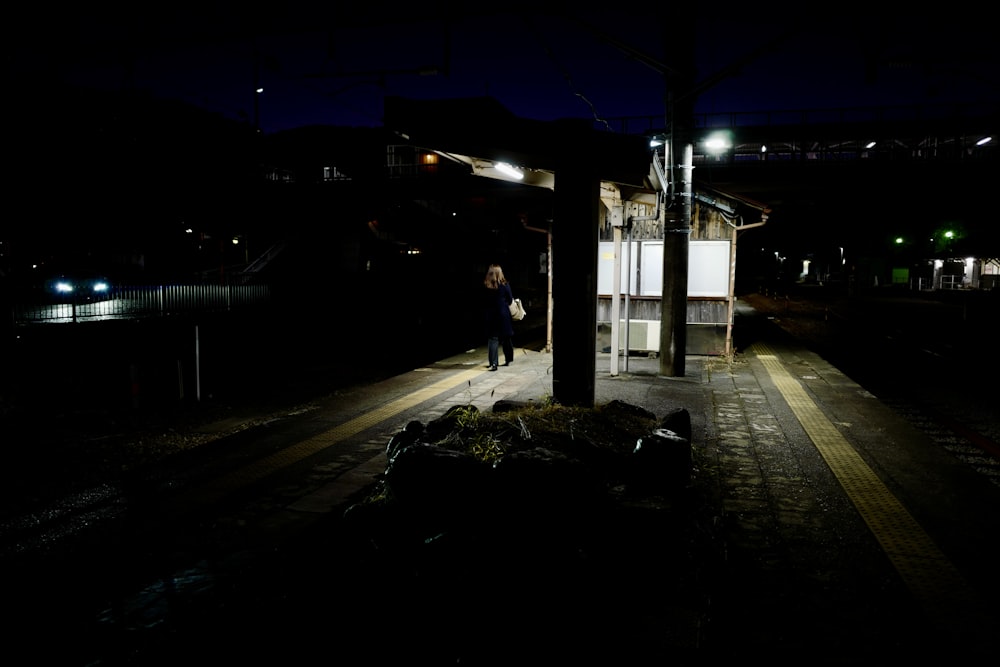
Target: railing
x=142, y=302
x=789, y=119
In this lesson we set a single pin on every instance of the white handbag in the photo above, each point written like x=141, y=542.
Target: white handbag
x=517, y=310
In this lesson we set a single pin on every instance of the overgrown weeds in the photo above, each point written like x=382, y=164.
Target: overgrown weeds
x=490, y=436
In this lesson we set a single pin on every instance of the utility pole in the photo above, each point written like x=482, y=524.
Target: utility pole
x=256, y=89
x=681, y=91
x=676, y=246
x=677, y=227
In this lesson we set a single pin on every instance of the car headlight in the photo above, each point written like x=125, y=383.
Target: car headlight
x=63, y=287
x=100, y=286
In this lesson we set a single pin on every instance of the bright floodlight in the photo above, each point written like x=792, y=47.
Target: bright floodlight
x=718, y=142
x=984, y=140
x=64, y=287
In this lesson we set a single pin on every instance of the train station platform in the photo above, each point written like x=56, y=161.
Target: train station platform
x=842, y=530
x=827, y=527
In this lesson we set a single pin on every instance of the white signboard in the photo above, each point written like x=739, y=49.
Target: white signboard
x=708, y=268
x=642, y=275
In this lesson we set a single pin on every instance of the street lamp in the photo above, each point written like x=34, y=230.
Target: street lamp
x=258, y=91
x=246, y=248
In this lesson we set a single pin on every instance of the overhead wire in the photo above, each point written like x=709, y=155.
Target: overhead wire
x=564, y=72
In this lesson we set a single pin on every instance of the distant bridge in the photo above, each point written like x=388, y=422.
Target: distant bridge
x=836, y=167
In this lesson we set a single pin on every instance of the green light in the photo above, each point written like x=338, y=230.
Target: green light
x=949, y=235
x=899, y=240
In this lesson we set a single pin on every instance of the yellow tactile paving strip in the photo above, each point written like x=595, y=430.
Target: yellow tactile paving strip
x=927, y=572
x=290, y=455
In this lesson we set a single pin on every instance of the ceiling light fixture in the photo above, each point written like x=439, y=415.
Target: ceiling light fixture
x=508, y=170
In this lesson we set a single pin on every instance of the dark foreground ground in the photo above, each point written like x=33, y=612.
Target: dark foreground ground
x=450, y=596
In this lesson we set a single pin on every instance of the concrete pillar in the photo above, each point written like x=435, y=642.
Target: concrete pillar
x=574, y=279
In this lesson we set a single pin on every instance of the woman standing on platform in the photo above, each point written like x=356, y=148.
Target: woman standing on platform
x=496, y=315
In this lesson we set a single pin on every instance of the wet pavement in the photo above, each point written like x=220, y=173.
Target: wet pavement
x=821, y=526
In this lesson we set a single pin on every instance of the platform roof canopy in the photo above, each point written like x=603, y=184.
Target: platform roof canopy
x=482, y=133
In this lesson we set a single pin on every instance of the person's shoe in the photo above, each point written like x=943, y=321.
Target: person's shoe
x=493, y=368
x=506, y=363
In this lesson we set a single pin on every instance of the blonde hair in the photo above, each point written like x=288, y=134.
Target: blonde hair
x=495, y=268
x=493, y=278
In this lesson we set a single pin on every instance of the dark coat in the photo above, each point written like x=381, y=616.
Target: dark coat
x=496, y=311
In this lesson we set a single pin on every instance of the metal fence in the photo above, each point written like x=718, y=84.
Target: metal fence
x=143, y=302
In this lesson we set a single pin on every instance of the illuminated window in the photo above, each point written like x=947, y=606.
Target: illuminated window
x=428, y=162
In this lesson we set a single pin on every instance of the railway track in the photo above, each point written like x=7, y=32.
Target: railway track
x=919, y=356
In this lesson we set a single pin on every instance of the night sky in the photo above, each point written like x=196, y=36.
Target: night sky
x=336, y=65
